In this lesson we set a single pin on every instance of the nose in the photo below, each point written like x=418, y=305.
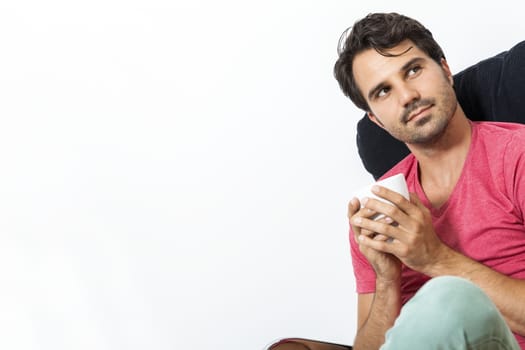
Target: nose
x=408, y=94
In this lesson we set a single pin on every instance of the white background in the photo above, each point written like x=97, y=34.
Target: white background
x=174, y=174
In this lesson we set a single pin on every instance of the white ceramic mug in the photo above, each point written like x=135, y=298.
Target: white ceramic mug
x=396, y=183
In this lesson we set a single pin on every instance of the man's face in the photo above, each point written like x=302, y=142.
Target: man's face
x=409, y=94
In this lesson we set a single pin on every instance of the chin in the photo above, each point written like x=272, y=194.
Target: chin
x=428, y=133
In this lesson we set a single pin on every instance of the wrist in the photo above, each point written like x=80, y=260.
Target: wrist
x=443, y=263
x=387, y=300
x=388, y=282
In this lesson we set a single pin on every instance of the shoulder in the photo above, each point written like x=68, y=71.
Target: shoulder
x=502, y=132
x=499, y=149
x=498, y=126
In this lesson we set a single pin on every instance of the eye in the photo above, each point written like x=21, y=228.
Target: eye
x=382, y=92
x=413, y=71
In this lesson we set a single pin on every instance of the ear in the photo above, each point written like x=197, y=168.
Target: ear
x=375, y=119
x=447, y=71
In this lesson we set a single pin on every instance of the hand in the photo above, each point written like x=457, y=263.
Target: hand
x=414, y=240
x=386, y=266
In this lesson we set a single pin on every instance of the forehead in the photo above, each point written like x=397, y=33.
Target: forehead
x=370, y=68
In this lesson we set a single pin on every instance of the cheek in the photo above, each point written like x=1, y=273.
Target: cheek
x=384, y=108
x=386, y=114
x=448, y=98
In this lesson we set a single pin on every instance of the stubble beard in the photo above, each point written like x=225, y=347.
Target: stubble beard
x=430, y=128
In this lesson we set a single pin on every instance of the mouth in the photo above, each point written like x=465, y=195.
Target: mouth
x=418, y=112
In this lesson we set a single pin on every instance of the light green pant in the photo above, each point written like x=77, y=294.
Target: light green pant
x=450, y=313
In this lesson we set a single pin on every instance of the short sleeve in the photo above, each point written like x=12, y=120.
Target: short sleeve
x=514, y=171
x=365, y=276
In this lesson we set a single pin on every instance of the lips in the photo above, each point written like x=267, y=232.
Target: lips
x=418, y=112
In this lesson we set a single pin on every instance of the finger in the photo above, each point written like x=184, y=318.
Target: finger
x=358, y=205
x=381, y=237
x=368, y=233
x=406, y=210
x=358, y=231
x=388, y=210
x=415, y=200
x=417, y=213
x=353, y=207
x=393, y=197
x=356, y=210
x=412, y=207
x=385, y=246
x=371, y=228
x=378, y=236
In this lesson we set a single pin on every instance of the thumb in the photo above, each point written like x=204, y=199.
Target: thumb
x=415, y=200
x=353, y=207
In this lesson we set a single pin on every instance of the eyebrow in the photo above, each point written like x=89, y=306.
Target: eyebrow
x=379, y=86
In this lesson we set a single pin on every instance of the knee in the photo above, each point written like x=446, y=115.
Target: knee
x=455, y=301
x=449, y=309
x=450, y=291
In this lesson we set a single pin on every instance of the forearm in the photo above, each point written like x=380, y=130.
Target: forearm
x=383, y=313
x=507, y=293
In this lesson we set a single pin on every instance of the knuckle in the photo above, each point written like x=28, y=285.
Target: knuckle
x=390, y=230
x=398, y=199
x=411, y=241
x=390, y=210
x=418, y=227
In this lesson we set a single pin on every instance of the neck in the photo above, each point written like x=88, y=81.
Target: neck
x=441, y=162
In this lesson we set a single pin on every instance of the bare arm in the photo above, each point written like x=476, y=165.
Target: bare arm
x=416, y=244
x=376, y=311
x=507, y=293
x=376, y=314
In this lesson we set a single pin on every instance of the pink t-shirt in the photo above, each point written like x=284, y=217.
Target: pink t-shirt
x=484, y=216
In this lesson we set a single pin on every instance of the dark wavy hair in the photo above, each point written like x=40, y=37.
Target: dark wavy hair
x=378, y=31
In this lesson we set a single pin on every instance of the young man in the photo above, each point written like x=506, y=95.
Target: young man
x=445, y=269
